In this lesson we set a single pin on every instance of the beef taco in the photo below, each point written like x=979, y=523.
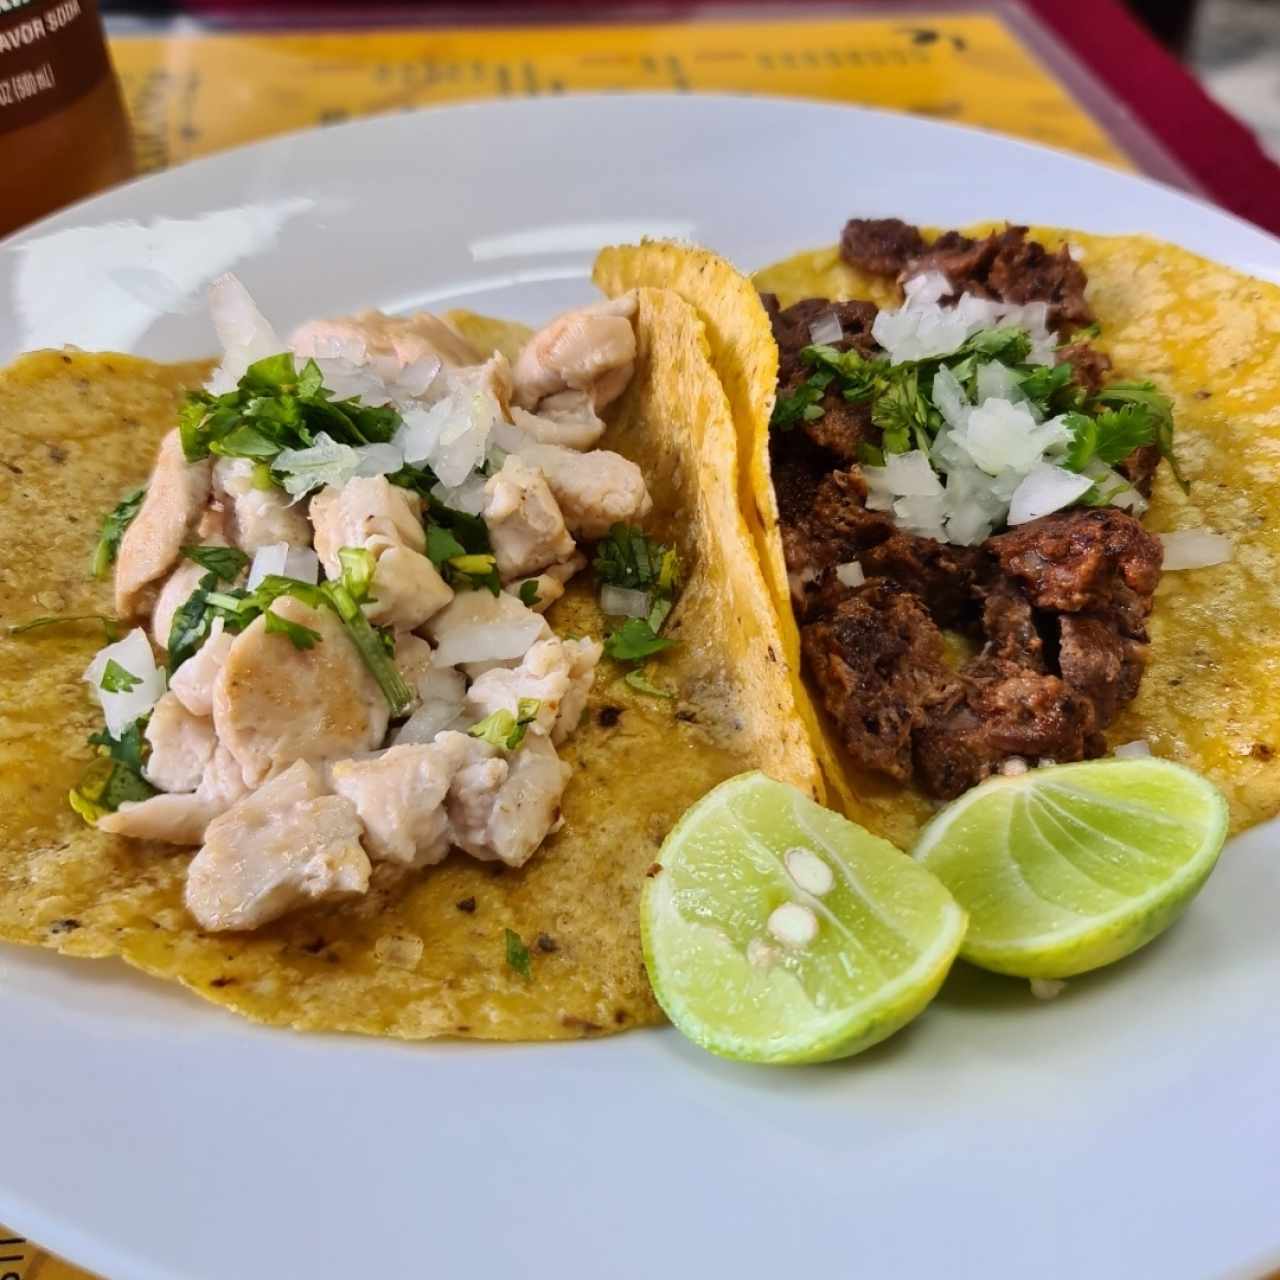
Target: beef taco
x=423, y=632
x=1011, y=490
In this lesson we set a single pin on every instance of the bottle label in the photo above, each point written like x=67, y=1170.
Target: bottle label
x=51, y=52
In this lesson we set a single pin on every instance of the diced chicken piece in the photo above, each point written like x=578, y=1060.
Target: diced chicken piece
x=274, y=703
x=181, y=818
x=525, y=525
x=368, y=511
x=481, y=627
x=591, y=349
x=398, y=341
x=176, y=496
x=438, y=692
x=384, y=519
x=556, y=673
x=494, y=377
x=502, y=809
x=568, y=420
x=400, y=798
x=407, y=589
x=285, y=845
x=181, y=746
x=549, y=585
x=584, y=655
x=192, y=683
x=257, y=517
x=173, y=595
x=594, y=490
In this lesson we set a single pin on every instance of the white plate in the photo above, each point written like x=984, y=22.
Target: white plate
x=1130, y=1129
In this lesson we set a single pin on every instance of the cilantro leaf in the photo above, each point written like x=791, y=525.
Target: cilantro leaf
x=628, y=558
x=528, y=592
x=442, y=546
x=368, y=644
x=113, y=530
x=1052, y=388
x=1121, y=431
x=634, y=640
x=109, y=625
x=804, y=404
x=641, y=683
x=302, y=637
x=115, y=776
x=130, y=748
x=191, y=623
x=1158, y=408
x=115, y=679
x=226, y=562
x=517, y=954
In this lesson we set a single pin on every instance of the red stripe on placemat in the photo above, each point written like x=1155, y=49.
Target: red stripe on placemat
x=1213, y=146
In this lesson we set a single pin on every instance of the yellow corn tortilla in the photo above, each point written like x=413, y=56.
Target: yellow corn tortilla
x=1209, y=337
x=424, y=954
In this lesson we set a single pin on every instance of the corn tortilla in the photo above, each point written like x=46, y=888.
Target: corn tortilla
x=423, y=954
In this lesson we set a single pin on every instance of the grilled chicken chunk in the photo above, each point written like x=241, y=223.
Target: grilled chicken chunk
x=176, y=496
x=379, y=338
x=192, y=683
x=257, y=517
x=525, y=525
x=594, y=490
x=557, y=673
x=181, y=745
x=590, y=349
x=284, y=845
x=274, y=703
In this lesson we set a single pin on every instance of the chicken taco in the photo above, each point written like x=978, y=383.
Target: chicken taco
x=1011, y=491
x=422, y=632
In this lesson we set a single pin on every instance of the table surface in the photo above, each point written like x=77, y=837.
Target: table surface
x=198, y=84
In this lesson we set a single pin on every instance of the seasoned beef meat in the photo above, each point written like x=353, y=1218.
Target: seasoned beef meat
x=1089, y=366
x=791, y=328
x=1100, y=663
x=1091, y=560
x=882, y=246
x=943, y=576
x=1005, y=266
x=878, y=660
x=842, y=426
x=1006, y=710
x=1139, y=468
x=1010, y=627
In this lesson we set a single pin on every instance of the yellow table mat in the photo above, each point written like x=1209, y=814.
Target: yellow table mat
x=192, y=94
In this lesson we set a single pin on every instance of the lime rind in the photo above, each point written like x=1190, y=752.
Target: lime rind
x=1107, y=855
x=889, y=931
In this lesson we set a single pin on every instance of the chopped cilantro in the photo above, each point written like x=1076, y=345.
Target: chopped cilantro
x=528, y=592
x=302, y=637
x=130, y=748
x=192, y=621
x=458, y=545
x=1052, y=388
x=628, y=558
x=226, y=562
x=804, y=404
x=641, y=683
x=502, y=729
x=113, y=530
x=357, y=571
x=115, y=679
x=442, y=546
x=115, y=776
x=109, y=625
x=1156, y=407
x=634, y=640
x=517, y=954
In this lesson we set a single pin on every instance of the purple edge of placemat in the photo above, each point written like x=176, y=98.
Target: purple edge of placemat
x=1214, y=147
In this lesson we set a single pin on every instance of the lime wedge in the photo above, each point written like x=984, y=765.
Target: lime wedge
x=777, y=931
x=1070, y=867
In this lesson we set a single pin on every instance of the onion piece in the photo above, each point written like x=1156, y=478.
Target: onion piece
x=133, y=654
x=243, y=330
x=1044, y=490
x=850, y=574
x=1132, y=750
x=479, y=627
x=826, y=330
x=1195, y=549
x=300, y=563
x=624, y=602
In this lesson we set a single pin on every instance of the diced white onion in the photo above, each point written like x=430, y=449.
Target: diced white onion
x=1046, y=489
x=243, y=330
x=850, y=574
x=1195, y=549
x=1132, y=750
x=468, y=497
x=303, y=564
x=624, y=602
x=826, y=330
x=134, y=655
x=267, y=560
x=378, y=459
x=443, y=691
x=451, y=436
